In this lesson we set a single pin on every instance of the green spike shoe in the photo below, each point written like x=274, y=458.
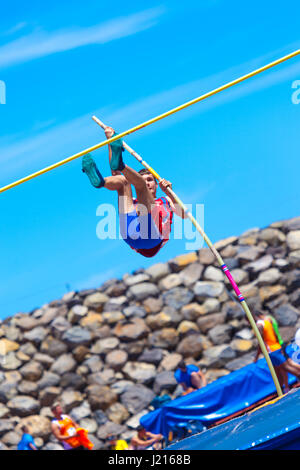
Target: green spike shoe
x=89, y=167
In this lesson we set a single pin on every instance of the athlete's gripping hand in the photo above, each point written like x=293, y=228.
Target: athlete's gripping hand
x=164, y=185
x=109, y=132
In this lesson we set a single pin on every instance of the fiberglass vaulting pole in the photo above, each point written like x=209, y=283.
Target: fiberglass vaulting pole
x=217, y=256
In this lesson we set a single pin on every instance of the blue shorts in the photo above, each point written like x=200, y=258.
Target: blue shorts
x=139, y=231
x=277, y=358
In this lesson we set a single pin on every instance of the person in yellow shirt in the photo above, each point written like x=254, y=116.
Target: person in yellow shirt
x=117, y=444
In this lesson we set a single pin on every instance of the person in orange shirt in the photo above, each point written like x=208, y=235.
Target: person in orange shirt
x=281, y=363
x=68, y=432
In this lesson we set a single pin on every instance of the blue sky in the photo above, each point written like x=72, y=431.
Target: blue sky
x=62, y=62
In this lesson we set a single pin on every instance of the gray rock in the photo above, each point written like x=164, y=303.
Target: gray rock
x=270, y=276
x=157, y=271
x=233, y=311
x=207, y=322
x=286, y=315
x=190, y=346
x=294, y=258
x=153, y=305
x=134, y=311
x=121, y=386
x=295, y=298
x=140, y=372
x=37, y=335
x=70, y=399
x=94, y=363
x=293, y=240
x=292, y=280
x=167, y=338
x=8, y=390
x=49, y=379
x=49, y=314
x=99, y=416
x=178, y=297
x=203, y=289
x=213, y=274
x=77, y=336
x=220, y=334
x=170, y=361
x=49, y=395
x=116, y=359
x=27, y=322
x=10, y=361
x=152, y=356
x=170, y=281
x=32, y=371
x=111, y=428
x=137, y=279
x=245, y=334
x=240, y=362
x=164, y=381
x=272, y=236
x=117, y=413
x=4, y=412
x=59, y=326
x=136, y=398
x=12, y=333
x=77, y=313
x=100, y=397
x=53, y=346
x=261, y=264
x=143, y=290
x=115, y=304
x=52, y=446
x=28, y=348
x=218, y=356
x=292, y=224
x=249, y=254
x=96, y=301
x=11, y=439
x=6, y=425
x=105, y=345
x=131, y=331
x=63, y=364
x=23, y=405
x=72, y=381
x=28, y=388
x=44, y=359
x=231, y=263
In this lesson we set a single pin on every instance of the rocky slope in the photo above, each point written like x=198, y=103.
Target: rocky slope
x=106, y=353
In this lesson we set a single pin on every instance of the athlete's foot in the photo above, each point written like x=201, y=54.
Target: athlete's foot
x=116, y=161
x=89, y=167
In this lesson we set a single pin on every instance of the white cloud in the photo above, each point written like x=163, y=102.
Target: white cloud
x=41, y=43
x=15, y=29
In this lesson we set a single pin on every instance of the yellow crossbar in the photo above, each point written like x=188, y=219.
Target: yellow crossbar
x=151, y=121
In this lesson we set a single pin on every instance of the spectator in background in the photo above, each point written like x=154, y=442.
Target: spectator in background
x=27, y=442
x=146, y=440
x=189, y=377
x=69, y=433
x=281, y=362
x=117, y=444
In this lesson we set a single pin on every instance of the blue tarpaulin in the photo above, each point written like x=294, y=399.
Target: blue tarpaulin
x=218, y=400
x=275, y=426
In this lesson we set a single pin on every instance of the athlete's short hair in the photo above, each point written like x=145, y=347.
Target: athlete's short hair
x=144, y=171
